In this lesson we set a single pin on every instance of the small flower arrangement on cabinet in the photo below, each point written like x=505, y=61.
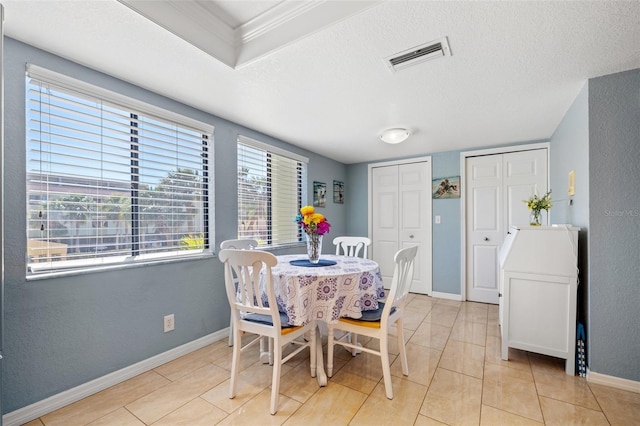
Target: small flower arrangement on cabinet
x=536, y=204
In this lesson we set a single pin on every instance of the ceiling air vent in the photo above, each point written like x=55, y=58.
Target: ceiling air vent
x=432, y=50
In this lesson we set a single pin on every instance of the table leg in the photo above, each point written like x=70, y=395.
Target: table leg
x=321, y=375
x=353, y=338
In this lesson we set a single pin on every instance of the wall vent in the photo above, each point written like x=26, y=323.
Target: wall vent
x=432, y=50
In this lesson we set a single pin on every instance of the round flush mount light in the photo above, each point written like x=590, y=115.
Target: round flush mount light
x=395, y=135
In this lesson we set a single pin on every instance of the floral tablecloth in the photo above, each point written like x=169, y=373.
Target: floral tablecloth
x=326, y=293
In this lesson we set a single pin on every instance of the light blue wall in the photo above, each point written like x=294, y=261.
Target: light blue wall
x=63, y=332
x=357, y=195
x=446, y=235
x=570, y=151
x=614, y=225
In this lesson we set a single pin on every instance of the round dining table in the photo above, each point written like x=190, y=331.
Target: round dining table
x=339, y=286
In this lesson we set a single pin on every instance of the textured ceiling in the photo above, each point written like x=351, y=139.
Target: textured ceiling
x=515, y=69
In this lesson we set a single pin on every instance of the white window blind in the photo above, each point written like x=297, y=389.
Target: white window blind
x=270, y=192
x=108, y=182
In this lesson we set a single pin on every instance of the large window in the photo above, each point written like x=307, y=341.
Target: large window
x=271, y=187
x=110, y=179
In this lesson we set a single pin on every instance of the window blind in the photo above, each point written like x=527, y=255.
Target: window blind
x=107, y=182
x=270, y=192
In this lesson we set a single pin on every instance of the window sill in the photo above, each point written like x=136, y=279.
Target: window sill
x=117, y=263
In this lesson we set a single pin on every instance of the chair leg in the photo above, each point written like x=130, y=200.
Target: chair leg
x=230, y=331
x=275, y=380
x=386, y=369
x=330, y=352
x=403, y=348
x=235, y=365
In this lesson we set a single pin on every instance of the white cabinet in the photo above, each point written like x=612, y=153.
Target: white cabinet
x=538, y=291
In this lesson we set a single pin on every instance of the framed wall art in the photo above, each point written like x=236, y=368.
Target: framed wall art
x=338, y=192
x=447, y=187
x=319, y=194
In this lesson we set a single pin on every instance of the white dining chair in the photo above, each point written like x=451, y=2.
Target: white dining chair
x=351, y=246
x=254, y=309
x=238, y=245
x=376, y=323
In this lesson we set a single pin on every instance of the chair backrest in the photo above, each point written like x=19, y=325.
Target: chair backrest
x=238, y=244
x=243, y=272
x=351, y=246
x=402, y=278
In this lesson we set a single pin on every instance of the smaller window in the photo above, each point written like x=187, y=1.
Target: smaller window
x=271, y=187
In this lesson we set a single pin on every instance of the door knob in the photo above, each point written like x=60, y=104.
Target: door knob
x=486, y=238
x=410, y=236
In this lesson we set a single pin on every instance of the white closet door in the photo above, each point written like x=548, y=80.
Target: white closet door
x=415, y=220
x=385, y=227
x=484, y=226
x=401, y=217
x=496, y=186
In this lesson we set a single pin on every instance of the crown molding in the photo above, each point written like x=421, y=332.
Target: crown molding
x=279, y=26
x=273, y=18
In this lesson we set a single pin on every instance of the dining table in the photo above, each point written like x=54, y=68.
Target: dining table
x=337, y=286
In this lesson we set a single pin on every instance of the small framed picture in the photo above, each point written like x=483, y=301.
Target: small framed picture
x=319, y=194
x=338, y=192
x=448, y=187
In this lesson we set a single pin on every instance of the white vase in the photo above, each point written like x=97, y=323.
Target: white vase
x=314, y=247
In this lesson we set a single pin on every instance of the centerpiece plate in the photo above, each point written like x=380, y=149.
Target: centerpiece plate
x=307, y=263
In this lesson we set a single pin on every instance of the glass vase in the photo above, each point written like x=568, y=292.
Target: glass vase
x=534, y=218
x=314, y=247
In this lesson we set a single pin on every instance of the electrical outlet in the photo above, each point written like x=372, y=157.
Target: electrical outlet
x=169, y=323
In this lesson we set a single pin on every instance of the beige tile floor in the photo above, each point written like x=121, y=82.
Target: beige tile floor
x=455, y=377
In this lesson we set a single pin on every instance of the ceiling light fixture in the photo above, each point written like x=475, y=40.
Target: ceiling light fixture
x=395, y=135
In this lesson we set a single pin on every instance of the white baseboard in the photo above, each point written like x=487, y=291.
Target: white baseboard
x=612, y=381
x=449, y=296
x=54, y=402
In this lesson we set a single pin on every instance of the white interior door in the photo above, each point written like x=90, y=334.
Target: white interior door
x=401, y=217
x=496, y=186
